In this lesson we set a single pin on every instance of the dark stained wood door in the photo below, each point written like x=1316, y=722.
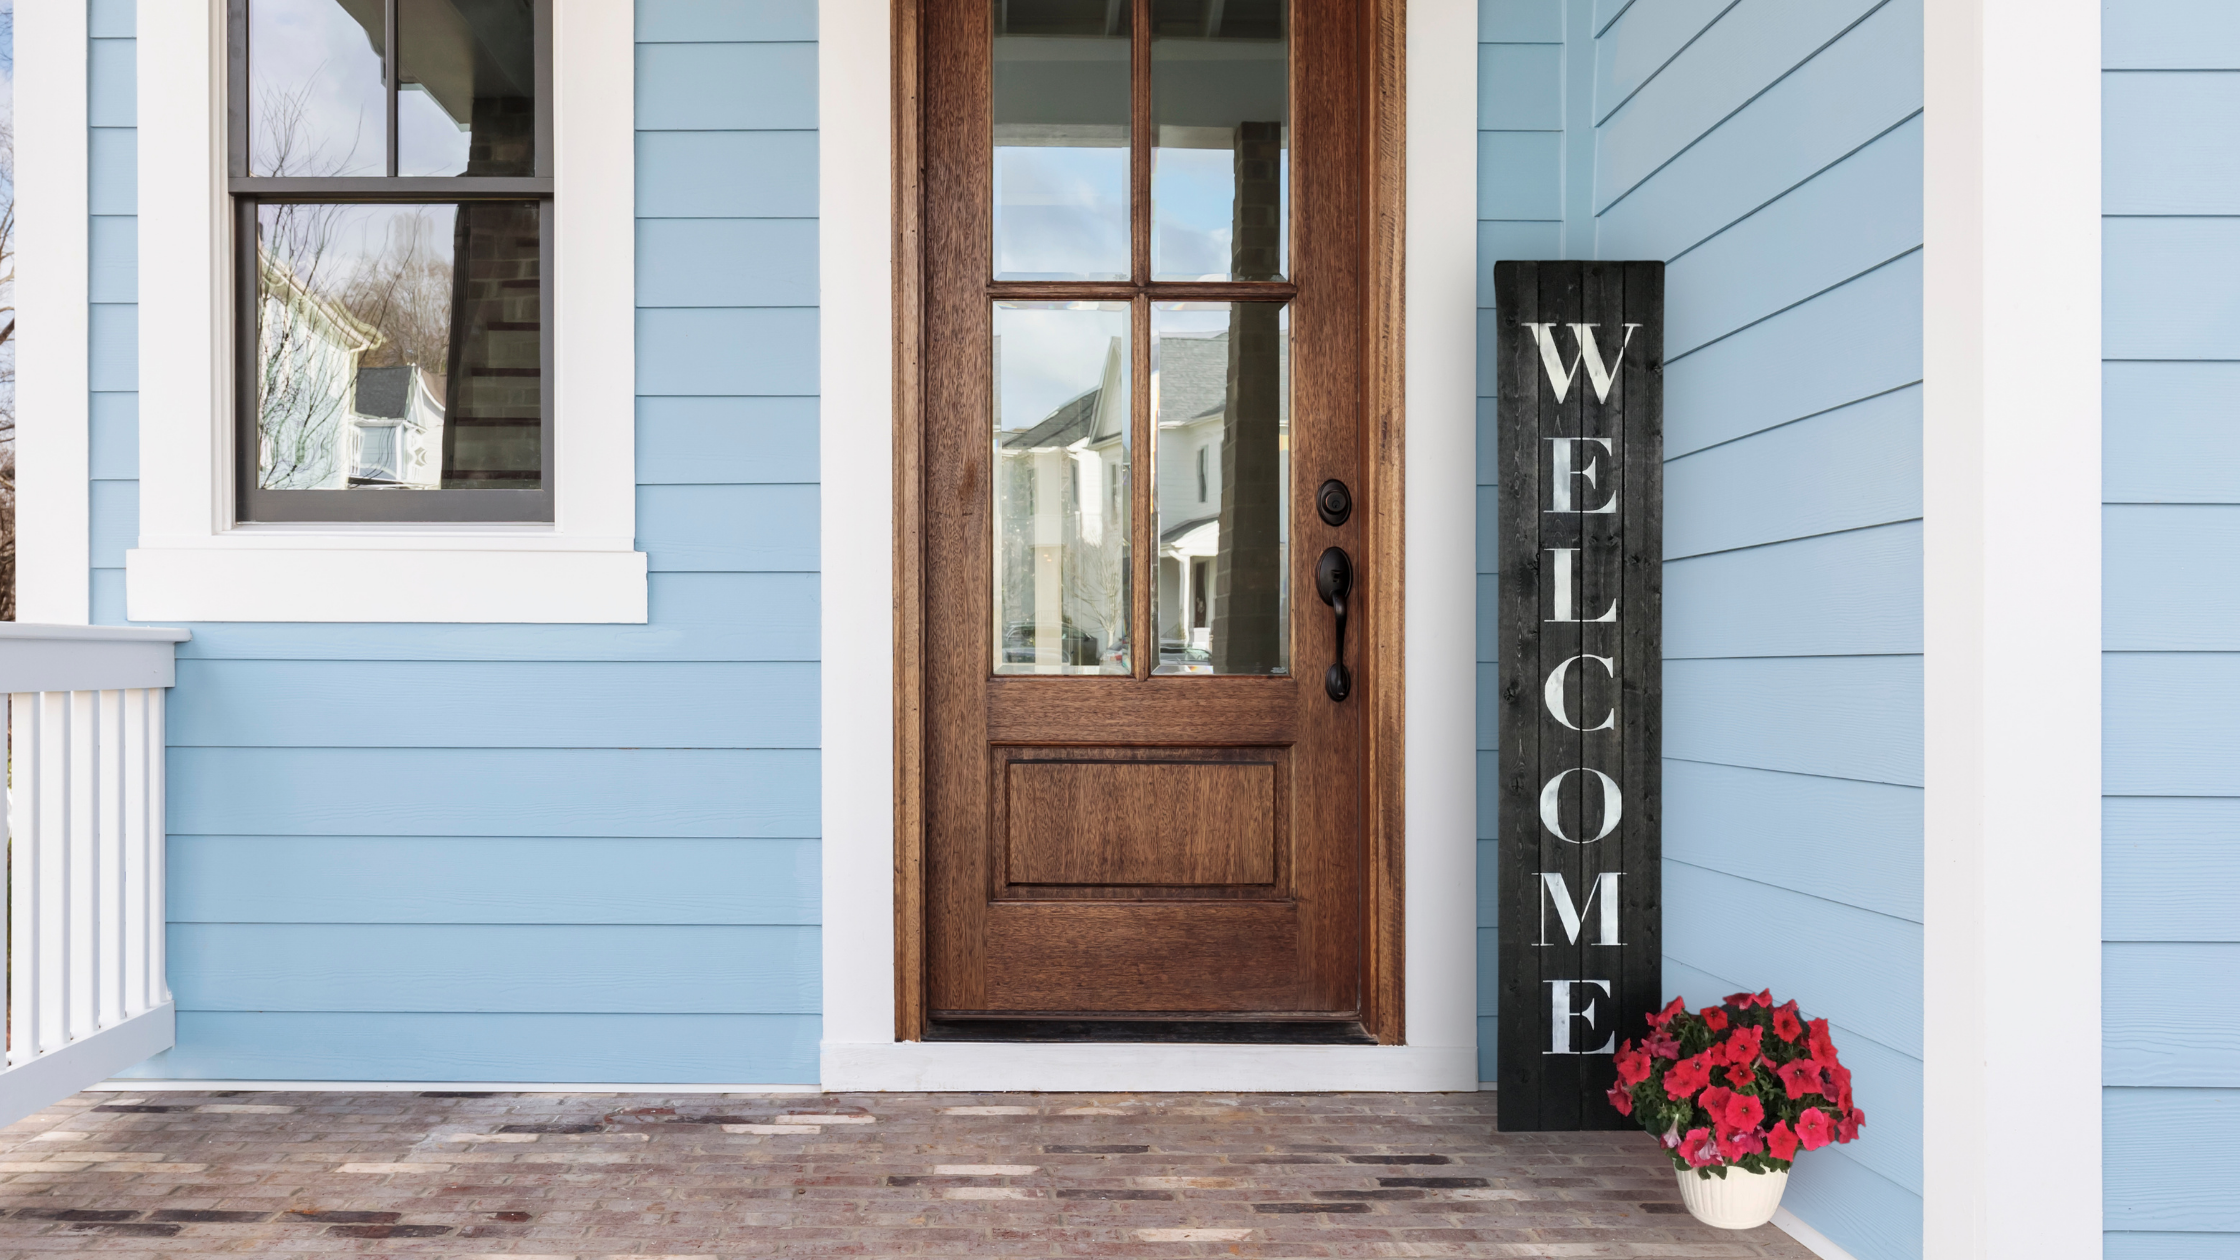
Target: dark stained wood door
x=1142, y=355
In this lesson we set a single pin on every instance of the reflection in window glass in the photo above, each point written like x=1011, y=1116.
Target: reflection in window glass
x=317, y=102
x=466, y=88
x=1061, y=488
x=1220, y=100
x=399, y=347
x=1221, y=400
x=1061, y=139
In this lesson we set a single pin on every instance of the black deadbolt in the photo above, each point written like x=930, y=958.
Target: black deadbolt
x=1334, y=502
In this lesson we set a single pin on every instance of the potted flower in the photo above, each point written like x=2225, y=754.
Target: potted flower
x=1734, y=1091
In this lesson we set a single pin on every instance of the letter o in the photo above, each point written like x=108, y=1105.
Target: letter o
x=1613, y=806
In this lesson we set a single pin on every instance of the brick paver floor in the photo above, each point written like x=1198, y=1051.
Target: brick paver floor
x=604, y=1175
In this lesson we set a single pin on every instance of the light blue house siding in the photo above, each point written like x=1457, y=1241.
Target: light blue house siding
x=533, y=853
x=2171, y=626
x=1770, y=152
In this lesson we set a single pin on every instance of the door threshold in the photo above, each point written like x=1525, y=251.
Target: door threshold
x=1317, y=1032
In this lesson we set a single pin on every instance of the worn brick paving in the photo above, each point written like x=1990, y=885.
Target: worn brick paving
x=720, y=1175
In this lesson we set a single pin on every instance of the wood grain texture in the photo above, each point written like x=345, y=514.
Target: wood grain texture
x=2170, y=1156
x=481, y=967
x=2144, y=842
x=2170, y=1014
x=1863, y=970
x=1383, y=584
x=462, y=704
x=1336, y=816
x=478, y=879
x=1139, y=822
x=909, y=525
x=1565, y=565
x=1210, y=958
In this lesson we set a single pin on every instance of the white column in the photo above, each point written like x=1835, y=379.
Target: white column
x=52, y=498
x=2011, y=577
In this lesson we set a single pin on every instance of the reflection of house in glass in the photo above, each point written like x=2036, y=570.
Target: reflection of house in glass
x=1062, y=559
x=1192, y=399
x=326, y=421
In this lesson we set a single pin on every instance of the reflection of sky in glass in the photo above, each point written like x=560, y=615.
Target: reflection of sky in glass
x=1195, y=192
x=316, y=100
x=1061, y=213
x=1051, y=354
x=428, y=141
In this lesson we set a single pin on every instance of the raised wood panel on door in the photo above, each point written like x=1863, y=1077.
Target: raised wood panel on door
x=1177, y=823
x=1143, y=846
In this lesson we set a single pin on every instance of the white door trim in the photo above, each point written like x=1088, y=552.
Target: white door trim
x=855, y=102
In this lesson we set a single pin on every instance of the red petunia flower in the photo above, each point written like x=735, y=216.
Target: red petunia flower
x=1699, y=1148
x=1781, y=1143
x=1622, y=1099
x=1661, y=1018
x=1687, y=1076
x=1714, y=1100
x=1744, y=1001
x=1741, y=1076
x=1714, y=1018
x=1662, y=1044
x=1736, y=1143
x=1800, y=1078
x=1633, y=1066
x=1823, y=1049
x=1786, y=1025
x=1743, y=1111
x=1839, y=1084
x=1848, y=1127
x=1814, y=1129
x=1744, y=1045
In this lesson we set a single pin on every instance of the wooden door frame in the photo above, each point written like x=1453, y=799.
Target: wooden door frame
x=1380, y=499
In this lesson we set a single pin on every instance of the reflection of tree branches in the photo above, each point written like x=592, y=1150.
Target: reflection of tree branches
x=285, y=143
x=331, y=302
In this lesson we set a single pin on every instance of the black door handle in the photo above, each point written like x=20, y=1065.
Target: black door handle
x=1333, y=580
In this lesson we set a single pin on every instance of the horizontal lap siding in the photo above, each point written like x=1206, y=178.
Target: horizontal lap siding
x=558, y=853
x=2171, y=536
x=1770, y=152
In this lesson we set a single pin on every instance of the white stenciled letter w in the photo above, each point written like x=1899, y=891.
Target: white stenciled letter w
x=1600, y=373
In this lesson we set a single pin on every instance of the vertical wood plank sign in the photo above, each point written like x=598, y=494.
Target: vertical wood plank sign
x=1580, y=350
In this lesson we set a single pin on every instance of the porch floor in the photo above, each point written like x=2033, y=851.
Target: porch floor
x=584, y=1175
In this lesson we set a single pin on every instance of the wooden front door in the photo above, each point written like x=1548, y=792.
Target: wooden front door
x=1142, y=396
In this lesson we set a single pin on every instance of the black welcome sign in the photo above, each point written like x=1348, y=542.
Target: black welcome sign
x=1580, y=347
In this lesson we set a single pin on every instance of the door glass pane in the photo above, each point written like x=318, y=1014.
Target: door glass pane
x=388, y=361
x=1221, y=399
x=466, y=88
x=1061, y=488
x=1061, y=139
x=1220, y=101
x=317, y=101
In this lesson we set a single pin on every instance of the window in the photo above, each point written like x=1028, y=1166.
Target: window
x=390, y=168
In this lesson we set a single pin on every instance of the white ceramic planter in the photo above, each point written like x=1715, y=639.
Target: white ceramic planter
x=1739, y=1200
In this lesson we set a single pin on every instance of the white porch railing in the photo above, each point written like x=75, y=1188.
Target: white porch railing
x=85, y=993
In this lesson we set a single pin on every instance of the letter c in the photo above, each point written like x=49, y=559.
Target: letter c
x=1554, y=692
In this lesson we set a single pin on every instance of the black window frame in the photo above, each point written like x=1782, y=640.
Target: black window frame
x=253, y=505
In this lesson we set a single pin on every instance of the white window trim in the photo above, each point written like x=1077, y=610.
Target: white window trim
x=856, y=232
x=194, y=563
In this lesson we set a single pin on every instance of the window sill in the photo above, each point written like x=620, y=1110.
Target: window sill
x=392, y=577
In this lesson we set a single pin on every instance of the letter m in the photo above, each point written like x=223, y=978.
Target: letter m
x=1605, y=886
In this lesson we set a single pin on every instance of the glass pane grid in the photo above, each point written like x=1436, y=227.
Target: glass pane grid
x=1140, y=178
